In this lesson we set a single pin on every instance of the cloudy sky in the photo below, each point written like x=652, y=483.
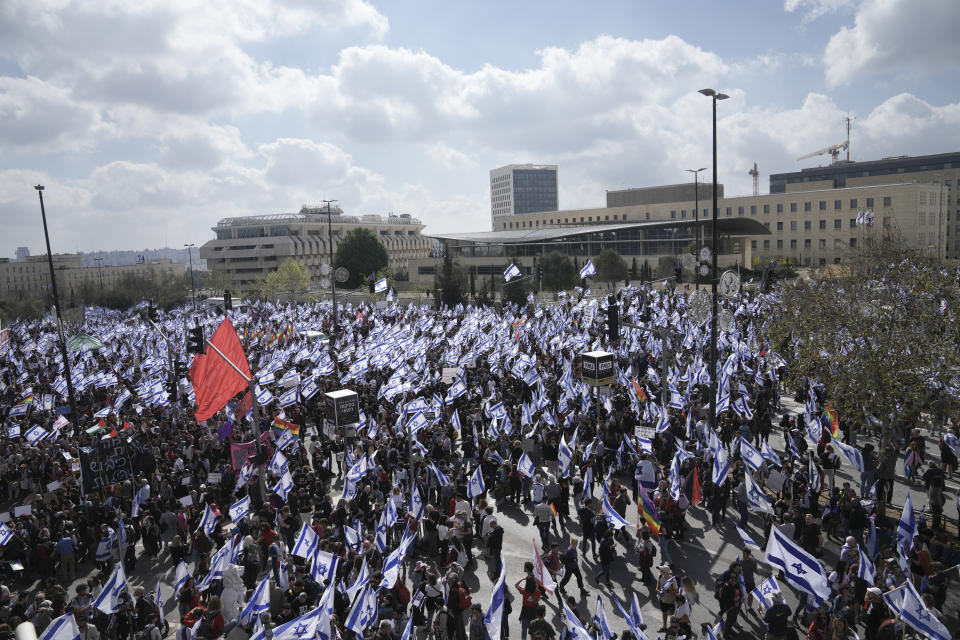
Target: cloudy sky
x=150, y=120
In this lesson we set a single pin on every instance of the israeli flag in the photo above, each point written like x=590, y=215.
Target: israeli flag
x=324, y=566
x=525, y=465
x=852, y=454
x=564, y=457
x=283, y=486
x=764, y=592
x=36, y=434
x=476, y=487
x=63, y=628
x=907, y=527
x=416, y=503
x=575, y=628
x=721, y=466
x=264, y=397
x=247, y=472
x=108, y=599
x=363, y=614
x=289, y=397
x=380, y=286
x=5, y=534
x=259, y=602
x=307, y=542
x=135, y=508
x=511, y=272
x=180, y=578
x=363, y=579
x=742, y=409
x=297, y=629
x=158, y=599
x=802, y=570
x=588, y=270
x=751, y=457
x=755, y=496
x=441, y=478
x=493, y=618
x=769, y=454
x=310, y=389
x=915, y=613
x=634, y=618
x=285, y=440
x=612, y=517
x=747, y=540
x=865, y=570
x=815, y=477
x=278, y=464
x=873, y=539
x=208, y=522
x=601, y=622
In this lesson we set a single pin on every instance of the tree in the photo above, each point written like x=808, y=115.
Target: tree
x=516, y=291
x=362, y=254
x=633, y=268
x=290, y=278
x=217, y=280
x=880, y=333
x=610, y=267
x=559, y=273
x=448, y=283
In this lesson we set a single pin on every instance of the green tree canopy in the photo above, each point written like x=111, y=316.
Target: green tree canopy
x=516, y=291
x=559, y=273
x=289, y=279
x=610, y=267
x=880, y=332
x=449, y=283
x=362, y=254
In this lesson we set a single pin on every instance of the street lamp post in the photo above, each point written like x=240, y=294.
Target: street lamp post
x=940, y=218
x=696, y=217
x=100, y=272
x=193, y=287
x=715, y=249
x=335, y=325
x=56, y=303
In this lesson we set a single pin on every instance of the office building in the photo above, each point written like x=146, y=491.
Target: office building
x=523, y=188
x=31, y=277
x=22, y=253
x=248, y=248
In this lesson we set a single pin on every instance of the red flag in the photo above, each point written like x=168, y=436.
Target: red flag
x=246, y=404
x=696, y=497
x=215, y=381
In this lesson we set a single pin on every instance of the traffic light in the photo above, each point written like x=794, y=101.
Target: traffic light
x=613, y=319
x=227, y=300
x=371, y=283
x=678, y=273
x=172, y=387
x=539, y=273
x=179, y=370
x=195, y=343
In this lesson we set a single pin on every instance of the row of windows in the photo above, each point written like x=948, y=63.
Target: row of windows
x=838, y=243
x=536, y=223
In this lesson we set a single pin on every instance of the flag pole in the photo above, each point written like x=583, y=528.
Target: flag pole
x=255, y=407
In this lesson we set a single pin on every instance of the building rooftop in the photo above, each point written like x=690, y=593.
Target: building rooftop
x=316, y=214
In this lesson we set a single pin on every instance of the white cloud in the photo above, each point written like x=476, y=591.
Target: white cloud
x=448, y=157
x=894, y=36
x=813, y=9
x=40, y=116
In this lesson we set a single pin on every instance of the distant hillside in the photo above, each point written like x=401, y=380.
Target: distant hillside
x=122, y=258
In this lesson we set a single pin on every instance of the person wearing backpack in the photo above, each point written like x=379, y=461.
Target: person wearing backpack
x=459, y=602
x=571, y=564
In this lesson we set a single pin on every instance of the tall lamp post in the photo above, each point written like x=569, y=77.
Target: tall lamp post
x=193, y=287
x=56, y=303
x=99, y=262
x=696, y=217
x=715, y=249
x=335, y=325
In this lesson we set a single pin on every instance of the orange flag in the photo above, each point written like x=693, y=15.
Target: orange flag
x=215, y=381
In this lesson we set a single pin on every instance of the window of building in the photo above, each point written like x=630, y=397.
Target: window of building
x=808, y=206
x=779, y=244
x=853, y=203
x=838, y=224
x=853, y=223
x=823, y=205
x=606, y=217
x=793, y=207
x=673, y=216
x=614, y=217
x=753, y=209
x=647, y=214
x=779, y=226
x=683, y=214
x=766, y=244
x=793, y=225
x=766, y=208
x=590, y=219
x=740, y=210
x=729, y=211
x=853, y=243
x=822, y=243
x=869, y=203
x=779, y=207
x=565, y=220
x=838, y=204
x=807, y=243
x=887, y=201
x=753, y=244
x=823, y=225
x=807, y=225
x=793, y=244
x=922, y=218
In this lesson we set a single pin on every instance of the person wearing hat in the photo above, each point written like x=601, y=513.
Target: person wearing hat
x=777, y=618
x=667, y=591
x=876, y=612
x=477, y=630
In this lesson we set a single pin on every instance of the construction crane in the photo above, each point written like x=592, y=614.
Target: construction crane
x=756, y=179
x=833, y=150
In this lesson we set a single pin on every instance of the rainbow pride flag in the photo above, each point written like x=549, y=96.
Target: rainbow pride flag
x=279, y=426
x=832, y=420
x=649, y=511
